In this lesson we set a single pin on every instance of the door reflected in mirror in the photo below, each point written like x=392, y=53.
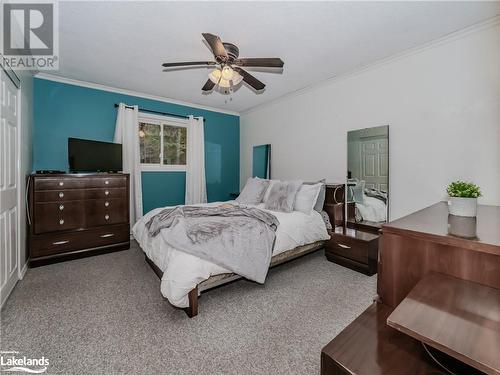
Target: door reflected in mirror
x=261, y=162
x=368, y=177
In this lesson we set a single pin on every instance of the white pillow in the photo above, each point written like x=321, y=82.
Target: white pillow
x=306, y=198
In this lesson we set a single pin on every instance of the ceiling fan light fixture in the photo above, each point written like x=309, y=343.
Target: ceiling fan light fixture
x=224, y=83
x=237, y=78
x=215, y=76
x=227, y=73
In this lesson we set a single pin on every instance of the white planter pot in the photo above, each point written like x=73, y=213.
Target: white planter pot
x=465, y=227
x=462, y=206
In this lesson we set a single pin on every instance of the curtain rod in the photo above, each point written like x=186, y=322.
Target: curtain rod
x=157, y=112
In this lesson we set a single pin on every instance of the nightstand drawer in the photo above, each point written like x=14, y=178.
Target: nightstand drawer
x=348, y=248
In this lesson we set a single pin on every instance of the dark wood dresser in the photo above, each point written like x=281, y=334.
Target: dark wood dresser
x=77, y=215
x=434, y=287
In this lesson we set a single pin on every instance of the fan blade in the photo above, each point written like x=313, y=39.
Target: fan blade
x=216, y=45
x=209, y=85
x=189, y=63
x=264, y=62
x=250, y=79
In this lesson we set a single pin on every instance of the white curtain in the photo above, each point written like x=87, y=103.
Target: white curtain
x=196, y=189
x=127, y=133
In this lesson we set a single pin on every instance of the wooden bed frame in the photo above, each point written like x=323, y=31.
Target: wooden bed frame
x=225, y=278
x=333, y=206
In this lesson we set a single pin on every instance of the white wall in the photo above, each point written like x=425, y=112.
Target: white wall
x=442, y=106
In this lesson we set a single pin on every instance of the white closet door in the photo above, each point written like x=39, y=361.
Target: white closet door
x=9, y=209
x=374, y=163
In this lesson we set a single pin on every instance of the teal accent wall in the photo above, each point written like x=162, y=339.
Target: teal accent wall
x=62, y=110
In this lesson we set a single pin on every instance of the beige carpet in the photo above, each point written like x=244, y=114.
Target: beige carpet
x=105, y=315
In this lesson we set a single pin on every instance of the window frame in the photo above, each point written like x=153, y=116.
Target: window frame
x=159, y=120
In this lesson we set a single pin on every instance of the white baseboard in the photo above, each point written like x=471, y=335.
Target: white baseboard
x=23, y=270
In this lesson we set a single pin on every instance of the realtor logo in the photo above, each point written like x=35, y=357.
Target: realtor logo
x=30, y=39
x=12, y=362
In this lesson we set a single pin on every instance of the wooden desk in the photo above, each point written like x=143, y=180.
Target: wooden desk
x=458, y=317
x=420, y=243
x=368, y=346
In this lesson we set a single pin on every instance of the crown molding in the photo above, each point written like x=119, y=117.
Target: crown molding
x=455, y=35
x=97, y=86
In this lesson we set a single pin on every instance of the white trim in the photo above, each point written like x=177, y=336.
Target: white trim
x=11, y=74
x=75, y=82
x=22, y=272
x=162, y=168
x=483, y=25
x=20, y=182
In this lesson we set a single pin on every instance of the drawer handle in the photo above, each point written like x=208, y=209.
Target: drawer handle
x=61, y=222
x=344, y=246
x=107, y=235
x=106, y=182
x=106, y=204
x=60, y=242
x=61, y=183
x=61, y=194
x=106, y=217
x=61, y=207
x=106, y=192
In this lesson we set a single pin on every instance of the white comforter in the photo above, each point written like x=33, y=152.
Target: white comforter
x=372, y=209
x=182, y=271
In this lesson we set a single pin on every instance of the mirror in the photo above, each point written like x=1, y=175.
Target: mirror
x=261, y=166
x=367, y=177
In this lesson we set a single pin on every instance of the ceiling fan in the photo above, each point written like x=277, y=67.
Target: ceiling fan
x=228, y=70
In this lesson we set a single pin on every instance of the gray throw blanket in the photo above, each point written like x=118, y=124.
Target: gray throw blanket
x=237, y=238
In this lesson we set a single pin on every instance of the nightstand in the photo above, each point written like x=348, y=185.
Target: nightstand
x=354, y=249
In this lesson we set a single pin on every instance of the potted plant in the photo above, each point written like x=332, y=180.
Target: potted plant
x=463, y=198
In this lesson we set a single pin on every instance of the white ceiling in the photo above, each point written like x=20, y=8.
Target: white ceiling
x=122, y=44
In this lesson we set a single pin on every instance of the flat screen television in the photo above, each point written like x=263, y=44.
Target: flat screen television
x=93, y=156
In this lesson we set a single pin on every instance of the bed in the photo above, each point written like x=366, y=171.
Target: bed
x=184, y=276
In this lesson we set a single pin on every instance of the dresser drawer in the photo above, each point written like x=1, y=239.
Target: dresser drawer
x=105, y=211
x=106, y=193
x=79, y=194
x=116, y=181
x=62, y=182
x=57, y=243
x=60, y=195
x=58, y=183
x=58, y=216
x=348, y=247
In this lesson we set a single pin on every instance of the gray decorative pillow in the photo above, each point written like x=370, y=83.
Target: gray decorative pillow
x=253, y=192
x=282, y=196
x=320, y=202
x=326, y=220
x=358, y=192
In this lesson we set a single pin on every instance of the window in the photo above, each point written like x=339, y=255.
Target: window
x=163, y=143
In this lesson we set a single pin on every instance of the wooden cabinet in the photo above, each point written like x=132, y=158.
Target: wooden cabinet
x=74, y=215
x=453, y=284
x=420, y=243
x=354, y=249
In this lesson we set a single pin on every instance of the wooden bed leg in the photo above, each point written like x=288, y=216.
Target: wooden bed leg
x=192, y=310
